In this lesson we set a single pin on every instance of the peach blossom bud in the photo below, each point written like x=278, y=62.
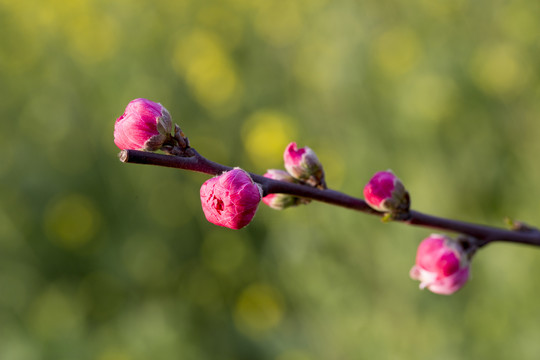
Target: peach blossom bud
x=442, y=264
x=385, y=192
x=281, y=201
x=145, y=125
x=303, y=164
x=230, y=199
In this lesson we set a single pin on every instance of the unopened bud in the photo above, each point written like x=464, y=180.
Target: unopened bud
x=230, y=199
x=282, y=201
x=145, y=125
x=442, y=264
x=385, y=192
x=303, y=164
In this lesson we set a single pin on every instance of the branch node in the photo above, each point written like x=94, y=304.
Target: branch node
x=123, y=156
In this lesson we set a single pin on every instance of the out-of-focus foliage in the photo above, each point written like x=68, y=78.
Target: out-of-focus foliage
x=109, y=261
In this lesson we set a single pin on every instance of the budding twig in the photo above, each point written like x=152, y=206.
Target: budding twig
x=196, y=162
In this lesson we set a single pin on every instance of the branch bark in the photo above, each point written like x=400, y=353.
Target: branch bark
x=196, y=162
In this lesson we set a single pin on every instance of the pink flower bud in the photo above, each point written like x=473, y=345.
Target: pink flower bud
x=281, y=201
x=145, y=125
x=303, y=164
x=442, y=265
x=385, y=192
x=230, y=199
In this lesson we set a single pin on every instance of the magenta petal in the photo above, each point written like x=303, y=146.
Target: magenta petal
x=450, y=284
x=442, y=265
x=381, y=188
x=292, y=155
x=138, y=124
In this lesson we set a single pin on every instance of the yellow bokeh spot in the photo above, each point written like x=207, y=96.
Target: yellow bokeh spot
x=519, y=22
x=499, y=69
x=266, y=133
x=259, y=308
x=212, y=79
x=54, y=315
x=71, y=221
x=397, y=50
x=208, y=69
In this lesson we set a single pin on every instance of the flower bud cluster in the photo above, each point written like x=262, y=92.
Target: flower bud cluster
x=232, y=198
x=442, y=263
x=302, y=167
x=282, y=201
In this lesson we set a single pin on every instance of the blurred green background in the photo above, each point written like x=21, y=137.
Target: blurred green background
x=109, y=261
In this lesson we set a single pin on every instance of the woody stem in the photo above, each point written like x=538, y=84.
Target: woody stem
x=482, y=233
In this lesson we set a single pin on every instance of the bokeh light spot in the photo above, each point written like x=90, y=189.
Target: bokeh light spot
x=519, y=22
x=499, y=69
x=208, y=69
x=55, y=315
x=15, y=345
x=72, y=220
x=266, y=133
x=259, y=308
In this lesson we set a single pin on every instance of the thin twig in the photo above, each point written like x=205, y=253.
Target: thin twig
x=484, y=234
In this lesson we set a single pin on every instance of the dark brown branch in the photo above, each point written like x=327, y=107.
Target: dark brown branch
x=484, y=234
